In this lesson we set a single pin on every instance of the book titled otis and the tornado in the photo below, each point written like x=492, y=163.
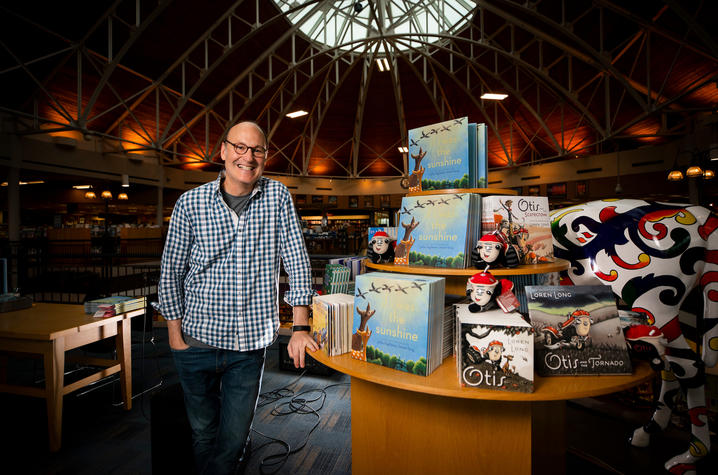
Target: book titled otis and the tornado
x=578, y=330
x=398, y=321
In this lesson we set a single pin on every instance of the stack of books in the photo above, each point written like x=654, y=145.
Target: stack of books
x=332, y=322
x=118, y=304
x=494, y=350
x=399, y=321
x=448, y=155
x=336, y=279
x=438, y=230
x=353, y=263
x=578, y=330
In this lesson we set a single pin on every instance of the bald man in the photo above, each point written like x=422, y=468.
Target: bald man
x=218, y=292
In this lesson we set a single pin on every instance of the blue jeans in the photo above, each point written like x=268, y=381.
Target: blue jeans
x=220, y=393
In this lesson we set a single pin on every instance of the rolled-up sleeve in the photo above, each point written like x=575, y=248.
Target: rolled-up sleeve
x=294, y=255
x=175, y=263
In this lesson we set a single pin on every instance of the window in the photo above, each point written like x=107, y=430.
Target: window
x=344, y=23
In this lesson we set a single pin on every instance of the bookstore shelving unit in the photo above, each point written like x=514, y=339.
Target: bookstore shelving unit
x=405, y=423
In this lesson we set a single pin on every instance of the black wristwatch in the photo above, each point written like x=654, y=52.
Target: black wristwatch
x=301, y=328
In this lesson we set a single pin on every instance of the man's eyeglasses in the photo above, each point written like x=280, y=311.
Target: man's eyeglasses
x=241, y=149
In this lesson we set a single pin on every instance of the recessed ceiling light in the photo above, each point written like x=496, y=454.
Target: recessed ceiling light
x=492, y=96
x=295, y=114
x=36, y=182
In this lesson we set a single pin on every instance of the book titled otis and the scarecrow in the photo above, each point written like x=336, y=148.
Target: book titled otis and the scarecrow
x=398, y=321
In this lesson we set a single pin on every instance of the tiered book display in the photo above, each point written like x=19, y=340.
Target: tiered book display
x=495, y=413
x=406, y=407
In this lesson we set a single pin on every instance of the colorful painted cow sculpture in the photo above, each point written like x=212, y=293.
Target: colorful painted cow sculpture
x=652, y=255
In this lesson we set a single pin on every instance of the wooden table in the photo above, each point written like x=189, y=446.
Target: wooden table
x=404, y=423
x=52, y=329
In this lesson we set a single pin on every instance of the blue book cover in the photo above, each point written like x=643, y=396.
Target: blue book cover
x=482, y=156
x=396, y=320
x=437, y=230
x=440, y=155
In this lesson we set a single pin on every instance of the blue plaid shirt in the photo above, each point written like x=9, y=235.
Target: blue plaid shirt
x=220, y=271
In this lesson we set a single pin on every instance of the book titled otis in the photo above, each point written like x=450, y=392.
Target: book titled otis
x=494, y=350
x=578, y=330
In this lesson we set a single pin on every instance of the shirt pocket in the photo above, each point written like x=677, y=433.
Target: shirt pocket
x=215, y=239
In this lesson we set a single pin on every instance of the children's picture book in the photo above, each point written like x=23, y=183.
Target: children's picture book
x=522, y=221
x=398, y=321
x=332, y=322
x=495, y=350
x=578, y=330
x=438, y=230
x=482, y=156
x=440, y=154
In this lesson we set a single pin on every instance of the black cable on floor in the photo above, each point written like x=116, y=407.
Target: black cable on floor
x=298, y=404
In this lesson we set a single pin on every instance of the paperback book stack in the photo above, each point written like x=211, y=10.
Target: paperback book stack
x=449, y=341
x=494, y=350
x=448, y=155
x=117, y=304
x=438, y=230
x=522, y=221
x=578, y=330
x=332, y=322
x=398, y=321
x=336, y=278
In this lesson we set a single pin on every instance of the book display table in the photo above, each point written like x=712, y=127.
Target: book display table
x=404, y=423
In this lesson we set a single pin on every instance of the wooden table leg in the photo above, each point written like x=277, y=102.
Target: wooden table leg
x=124, y=354
x=54, y=359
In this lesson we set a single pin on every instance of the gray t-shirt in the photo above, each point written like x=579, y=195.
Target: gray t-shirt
x=237, y=204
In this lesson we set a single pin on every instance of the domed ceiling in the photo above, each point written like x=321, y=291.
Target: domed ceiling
x=169, y=77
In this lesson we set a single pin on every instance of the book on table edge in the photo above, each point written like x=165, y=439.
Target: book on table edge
x=121, y=304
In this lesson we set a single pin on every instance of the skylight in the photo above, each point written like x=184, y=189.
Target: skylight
x=343, y=23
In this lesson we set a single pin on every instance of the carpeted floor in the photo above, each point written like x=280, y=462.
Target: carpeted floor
x=101, y=437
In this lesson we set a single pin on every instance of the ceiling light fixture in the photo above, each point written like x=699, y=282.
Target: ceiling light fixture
x=694, y=171
x=82, y=187
x=295, y=114
x=403, y=149
x=383, y=64
x=37, y=182
x=493, y=96
x=675, y=175
x=125, y=180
